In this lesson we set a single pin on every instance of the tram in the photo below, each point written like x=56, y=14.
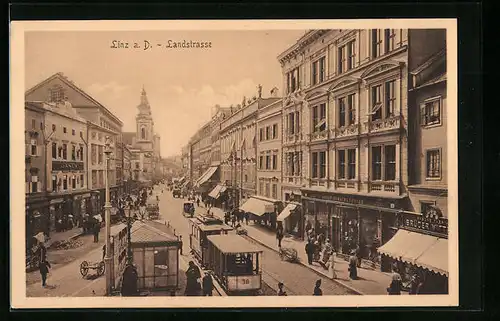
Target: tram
x=235, y=264
x=200, y=228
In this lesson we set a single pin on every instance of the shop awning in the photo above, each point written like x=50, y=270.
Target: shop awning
x=286, y=212
x=435, y=258
x=215, y=193
x=207, y=175
x=256, y=206
x=419, y=249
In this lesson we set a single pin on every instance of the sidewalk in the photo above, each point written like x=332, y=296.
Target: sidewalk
x=63, y=236
x=370, y=282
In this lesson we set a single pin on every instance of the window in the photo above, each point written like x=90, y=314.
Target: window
x=433, y=163
x=34, y=184
x=425, y=206
x=430, y=112
x=341, y=170
x=82, y=156
x=246, y=178
x=342, y=107
x=275, y=131
x=376, y=43
x=93, y=151
x=56, y=94
x=261, y=162
x=384, y=163
x=64, y=130
x=275, y=191
x=41, y=126
x=65, y=182
x=267, y=189
x=82, y=182
x=100, y=154
x=291, y=123
x=268, y=132
x=268, y=161
x=318, y=169
x=390, y=98
x=261, y=188
x=322, y=69
x=376, y=163
x=143, y=133
x=351, y=109
x=351, y=160
x=54, y=150
x=33, y=148
x=319, y=118
x=390, y=162
x=275, y=162
x=315, y=73
x=73, y=152
x=65, y=152
x=318, y=71
x=261, y=134
x=54, y=183
x=376, y=102
x=73, y=182
x=292, y=80
x=33, y=124
x=81, y=134
x=73, y=132
x=53, y=127
x=347, y=57
x=389, y=40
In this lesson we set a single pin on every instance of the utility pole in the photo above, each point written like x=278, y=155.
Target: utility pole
x=107, y=207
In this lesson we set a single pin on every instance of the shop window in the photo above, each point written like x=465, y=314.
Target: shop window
x=430, y=112
x=433, y=163
x=82, y=182
x=65, y=182
x=426, y=206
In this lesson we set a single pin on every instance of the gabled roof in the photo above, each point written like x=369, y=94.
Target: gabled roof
x=60, y=76
x=429, y=62
x=145, y=233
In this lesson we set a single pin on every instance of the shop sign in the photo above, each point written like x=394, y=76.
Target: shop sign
x=67, y=166
x=425, y=224
x=339, y=198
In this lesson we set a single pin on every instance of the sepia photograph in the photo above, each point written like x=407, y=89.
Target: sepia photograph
x=234, y=159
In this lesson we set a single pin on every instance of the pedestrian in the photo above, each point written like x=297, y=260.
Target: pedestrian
x=103, y=252
x=331, y=266
x=309, y=251
x=358, y=256
x=246, y=217
x=415, y=285
x=198, y=201
x=396, y=283
x=207, y=284
x=353, y=268
x=317, y=288
x=180, y=239
x=233, y=221
x=192, y=274
x=43, y=251
x=279, y=236
x=281, y=292
x=97, y=228
x=44, y=270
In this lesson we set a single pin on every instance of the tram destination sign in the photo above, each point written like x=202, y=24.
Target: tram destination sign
x=67, y=166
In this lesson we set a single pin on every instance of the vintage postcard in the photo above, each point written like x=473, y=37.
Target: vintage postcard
x=313, y=162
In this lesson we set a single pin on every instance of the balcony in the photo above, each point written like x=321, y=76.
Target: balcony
x=292, y=180
x=318, y=182
x=384, y=187
x=346, y=131
x=381, y=125
x=346, y=184
x=318, y=136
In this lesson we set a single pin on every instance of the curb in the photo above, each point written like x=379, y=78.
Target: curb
x=310, y=268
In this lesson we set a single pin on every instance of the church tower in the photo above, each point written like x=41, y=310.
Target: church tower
x=145, y=125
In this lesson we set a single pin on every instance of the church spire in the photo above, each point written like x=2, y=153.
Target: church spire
x=144, y=107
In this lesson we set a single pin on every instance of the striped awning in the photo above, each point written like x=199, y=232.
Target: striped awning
x=206, y=176
x=217, y=191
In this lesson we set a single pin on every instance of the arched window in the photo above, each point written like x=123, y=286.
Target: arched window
x=143, y=133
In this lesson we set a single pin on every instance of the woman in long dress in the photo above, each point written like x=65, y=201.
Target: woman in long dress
x=331, y=266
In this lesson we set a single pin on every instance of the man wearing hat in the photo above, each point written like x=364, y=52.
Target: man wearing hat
x=281, y=292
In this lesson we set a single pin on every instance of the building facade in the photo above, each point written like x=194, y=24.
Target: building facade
x=344, y=131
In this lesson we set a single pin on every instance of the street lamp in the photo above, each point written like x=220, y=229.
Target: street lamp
x=107, y=207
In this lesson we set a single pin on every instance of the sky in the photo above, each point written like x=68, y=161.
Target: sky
x=183, y=84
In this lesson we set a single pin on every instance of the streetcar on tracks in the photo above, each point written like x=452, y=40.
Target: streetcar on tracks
x=235, y=263
x=200, y=228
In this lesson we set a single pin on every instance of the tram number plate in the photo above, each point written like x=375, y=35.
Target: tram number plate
x=241, y=283
x=245, y=281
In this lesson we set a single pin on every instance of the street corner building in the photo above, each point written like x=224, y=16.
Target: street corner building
x=354, y=148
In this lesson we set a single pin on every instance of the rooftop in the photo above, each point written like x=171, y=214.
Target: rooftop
x=233, y=244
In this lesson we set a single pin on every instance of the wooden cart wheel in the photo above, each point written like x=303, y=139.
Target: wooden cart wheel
x=84, y=268
x=101, y=268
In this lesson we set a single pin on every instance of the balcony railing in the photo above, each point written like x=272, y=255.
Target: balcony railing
x=320, y=135
x=390, y=187
x=318, y=182
x=293, y=138
x=383, y=124
x=345, y=131
x=293, y=180
x=347, y=184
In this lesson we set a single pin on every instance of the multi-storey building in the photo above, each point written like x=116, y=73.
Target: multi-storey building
x=37, y=205
x=239, y=148
x=185, y=162
x=344, y=118
x=127, y=168
x=64, y=179
x=101, y=123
